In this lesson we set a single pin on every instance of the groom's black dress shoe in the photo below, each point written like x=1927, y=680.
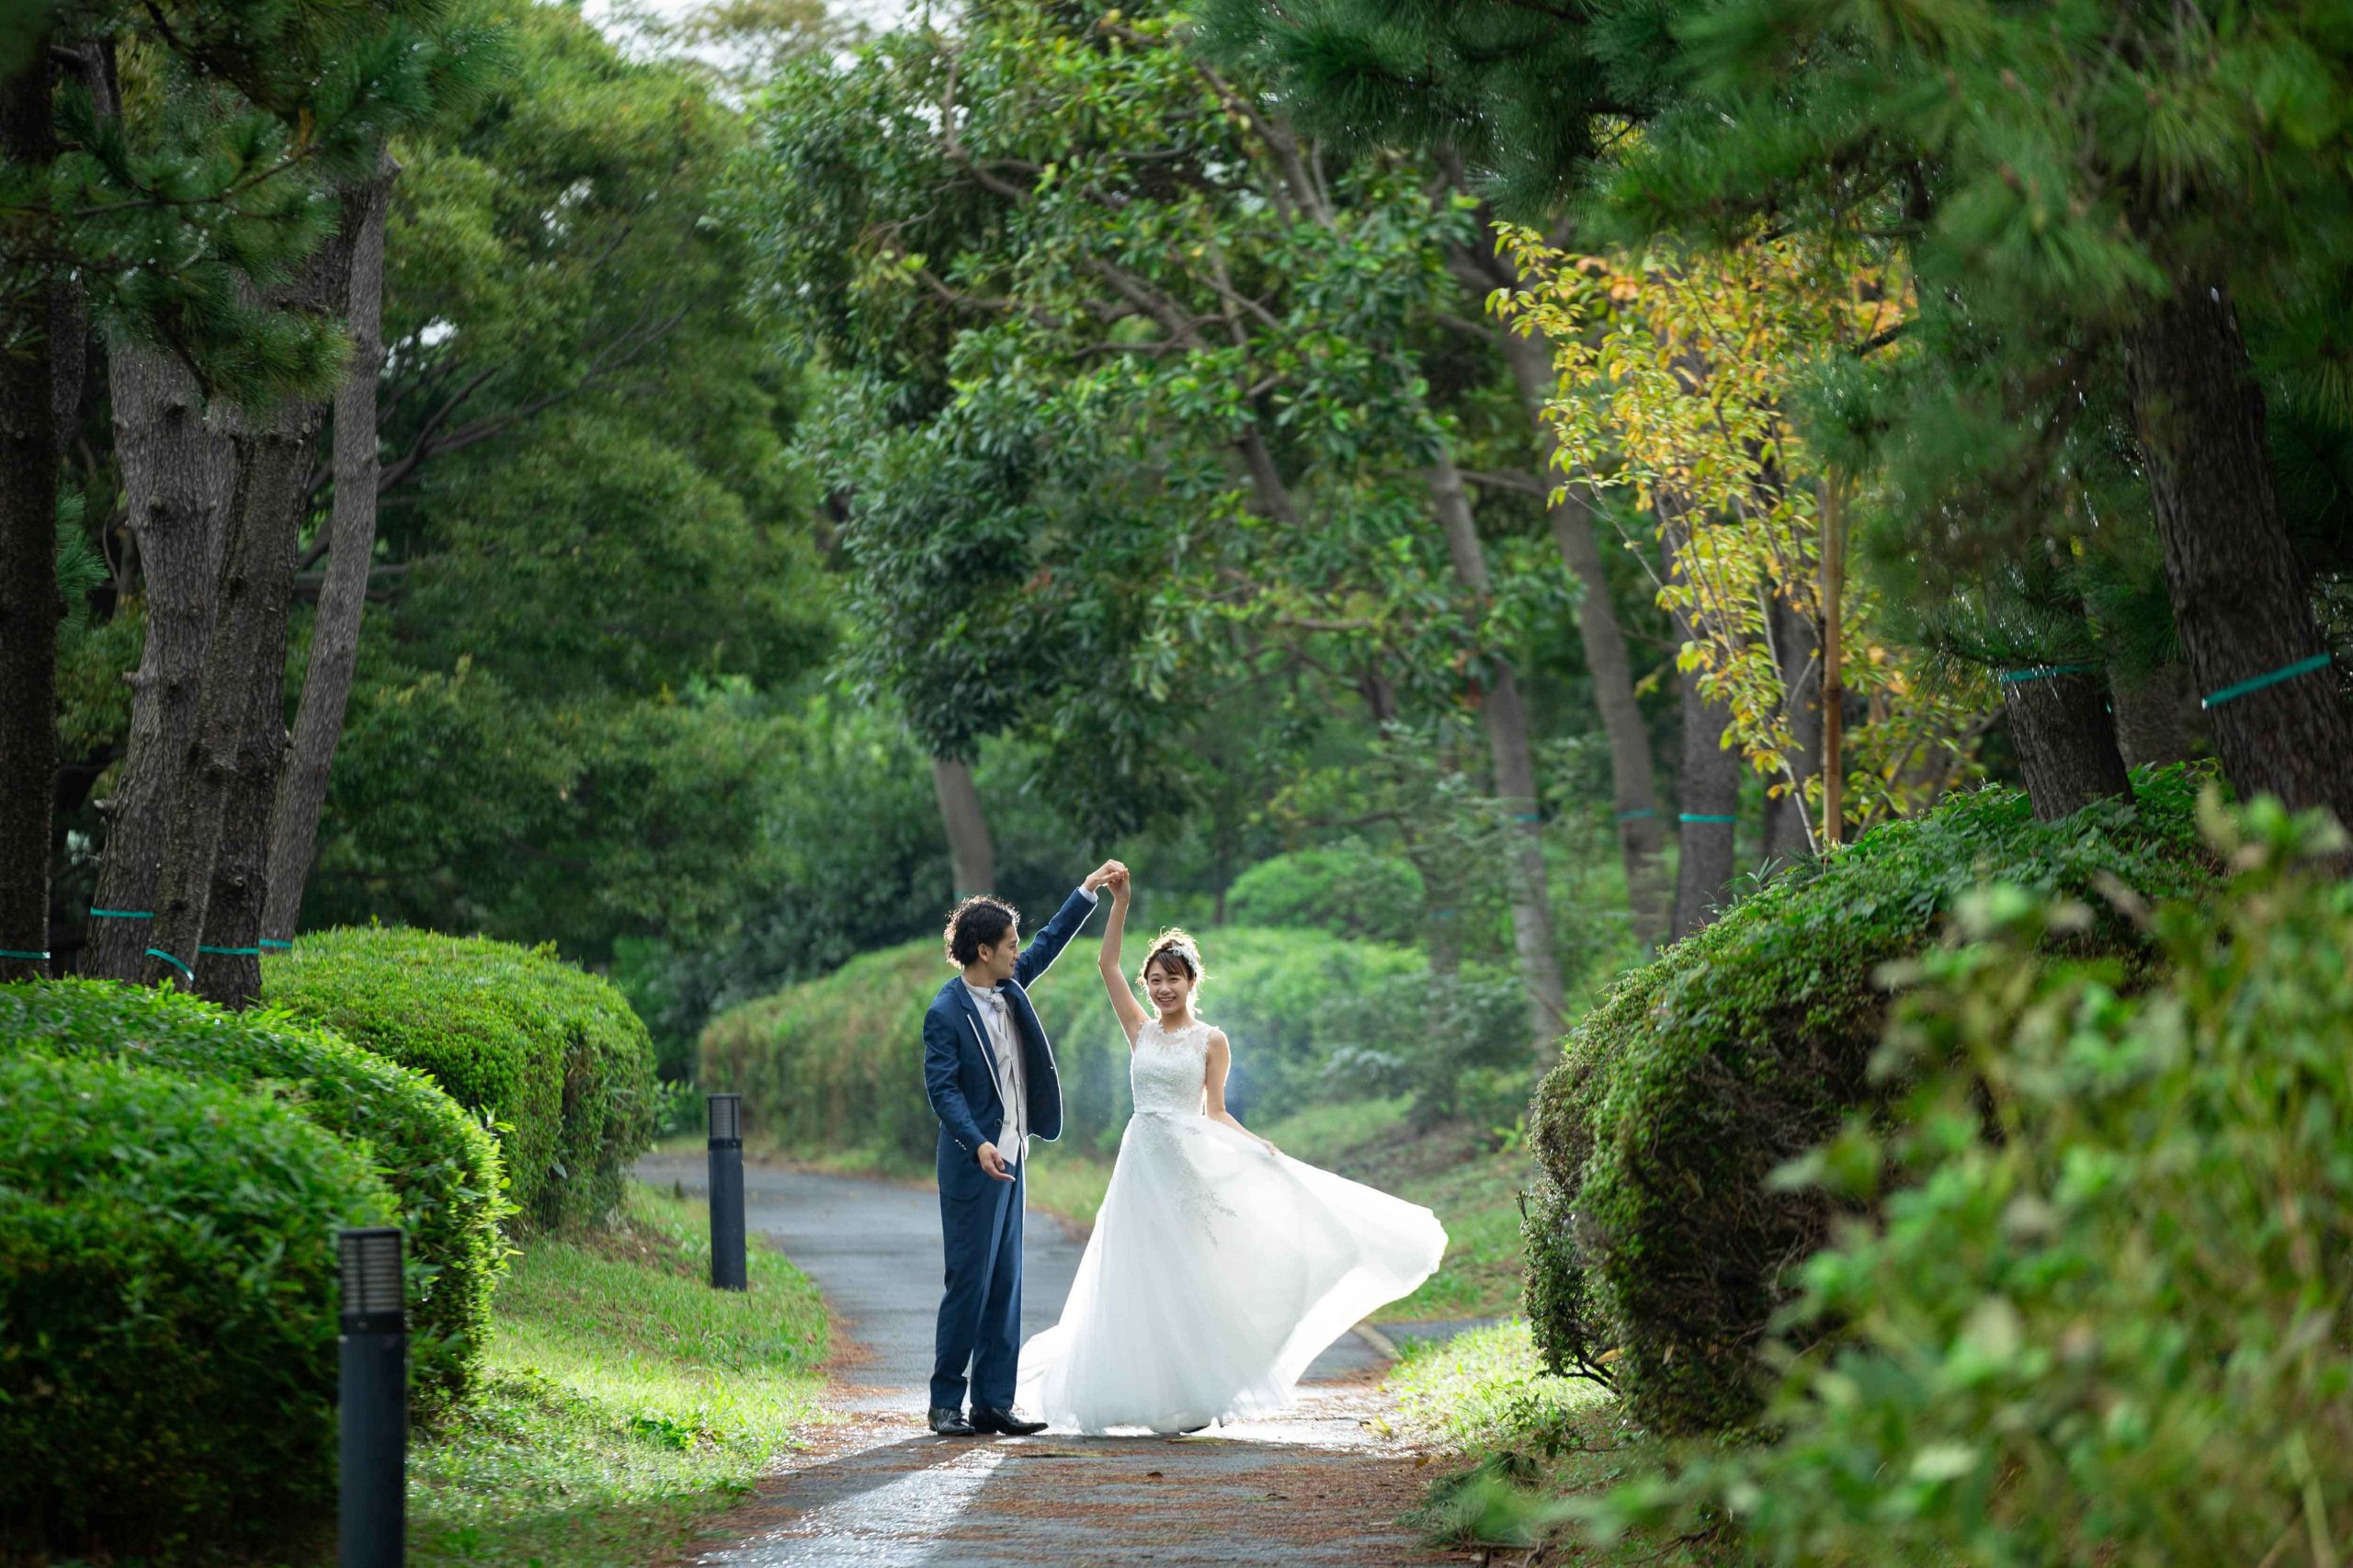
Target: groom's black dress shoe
x=949, y=1421
x=1004, y=1423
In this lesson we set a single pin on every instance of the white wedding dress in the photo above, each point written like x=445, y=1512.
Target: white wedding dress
x=1217, y=1270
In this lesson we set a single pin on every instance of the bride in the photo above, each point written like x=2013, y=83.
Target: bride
x=1219, y=1267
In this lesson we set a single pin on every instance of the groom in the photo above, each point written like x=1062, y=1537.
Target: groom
x=990, y=1075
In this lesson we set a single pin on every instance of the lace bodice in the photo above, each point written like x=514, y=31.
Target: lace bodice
x=1166, y=1072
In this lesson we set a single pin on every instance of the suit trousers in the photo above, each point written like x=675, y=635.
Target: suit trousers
x=980, y=1310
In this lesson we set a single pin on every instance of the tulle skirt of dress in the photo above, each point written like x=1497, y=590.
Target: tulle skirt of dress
x=1216, y=1272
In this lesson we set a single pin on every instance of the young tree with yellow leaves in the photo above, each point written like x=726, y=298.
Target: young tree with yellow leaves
x=1675, y=375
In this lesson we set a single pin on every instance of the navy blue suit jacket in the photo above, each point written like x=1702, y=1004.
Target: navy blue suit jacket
x=958, y=1072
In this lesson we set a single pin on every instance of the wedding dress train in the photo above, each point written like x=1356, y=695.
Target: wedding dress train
x=1217, y=1269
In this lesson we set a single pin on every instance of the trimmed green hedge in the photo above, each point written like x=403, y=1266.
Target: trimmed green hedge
x=167, y=1311
x=1658, y=1231
x=442, y=1166
x=555, y=1058
x=836, y=1065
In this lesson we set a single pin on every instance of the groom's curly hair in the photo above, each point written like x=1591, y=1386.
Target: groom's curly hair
x=979, y=922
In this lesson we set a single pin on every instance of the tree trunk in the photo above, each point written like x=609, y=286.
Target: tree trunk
x=2066, y=745
x=30, y=602
x=1799, y=649
x=1708, y=785
x=2157, y=719
x=969, y=844
x=177, y=470
x=1641, y=838
x=2239, y=599
x=209, y=895
x=342, y=597
x=1504, y=719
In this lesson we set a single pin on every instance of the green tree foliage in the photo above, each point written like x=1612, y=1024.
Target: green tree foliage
x=156, y=1303
x=164, y=171
x=596, y=581
x=2106, y=1315
x=1143, y=398
x=2130, y=221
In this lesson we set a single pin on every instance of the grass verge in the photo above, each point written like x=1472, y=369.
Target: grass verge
x=628, y=1401
x=1526, y=1446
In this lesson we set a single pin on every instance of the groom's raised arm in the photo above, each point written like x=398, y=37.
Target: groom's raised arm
x=1053, y=936
x=939, y=1084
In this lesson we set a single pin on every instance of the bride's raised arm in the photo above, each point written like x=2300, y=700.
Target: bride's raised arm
x=1106, y=959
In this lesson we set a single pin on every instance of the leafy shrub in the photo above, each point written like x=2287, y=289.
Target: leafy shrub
x=1747, y=1043
x=442, y=1167
x=1346, y=890
x=2109, y=1315
x=167, y=1281
x=552, y=1057
x=837, y=1064
x=1434, y=1037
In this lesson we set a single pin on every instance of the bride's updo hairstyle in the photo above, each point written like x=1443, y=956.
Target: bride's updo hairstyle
x=1174, y=950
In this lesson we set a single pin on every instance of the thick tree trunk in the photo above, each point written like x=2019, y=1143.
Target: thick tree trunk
x=1707, y=784
x=211, y=893
x=970, y=847
x=2066, y=745
x=30, y=602
x=342, y=597
x=2157, y=719
x=2239, y=599
x=1504, y=719
x=1799, y=649
x=1642, y=836
x=177, y=470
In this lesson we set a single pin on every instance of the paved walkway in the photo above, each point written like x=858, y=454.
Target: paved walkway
x=1320, y=1487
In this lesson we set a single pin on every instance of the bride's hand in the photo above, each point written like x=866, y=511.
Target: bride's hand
x=1269, y=1146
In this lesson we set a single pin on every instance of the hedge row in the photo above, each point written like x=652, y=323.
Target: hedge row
x=171, y=1178
x=443, y=1168
x=168, y=1291
x=837, y=1064
x=1656, y=1228
x=552, y=1058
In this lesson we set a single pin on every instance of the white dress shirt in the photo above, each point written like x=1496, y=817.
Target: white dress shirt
x=1012, y=1077
x=1012, y=1087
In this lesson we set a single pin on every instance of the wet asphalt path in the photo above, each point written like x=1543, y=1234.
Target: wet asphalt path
x=1320, y=1487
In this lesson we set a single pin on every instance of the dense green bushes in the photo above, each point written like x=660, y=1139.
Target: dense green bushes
x=167, y=1309
x=2107, y=1316
x=555, y=1058
x=442, y=1167
x=835, y=1065
x=1346, y=890
x=1748, y=1043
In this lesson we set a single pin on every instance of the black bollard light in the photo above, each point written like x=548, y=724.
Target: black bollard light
x=374, y=1503
x=727, y=1268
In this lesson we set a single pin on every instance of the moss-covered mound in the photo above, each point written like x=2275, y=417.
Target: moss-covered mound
x=1655, y=1229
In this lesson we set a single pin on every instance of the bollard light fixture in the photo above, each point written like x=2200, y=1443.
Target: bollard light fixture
x=372, y=1414
x=373, y=1297
x=726, y=1121
x=728, y=1262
